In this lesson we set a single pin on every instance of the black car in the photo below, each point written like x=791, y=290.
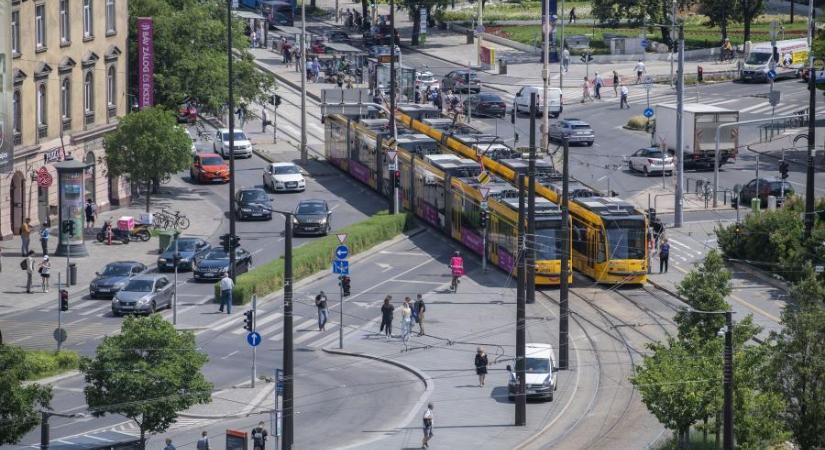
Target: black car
x=456, y=81
x=113, y=278
x=188, y=248
x=212, y=264
x=765, y=187
x=485, y=104
x=253, y=203
x=312, y=217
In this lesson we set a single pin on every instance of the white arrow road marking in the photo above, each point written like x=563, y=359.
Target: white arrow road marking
x=383, y=266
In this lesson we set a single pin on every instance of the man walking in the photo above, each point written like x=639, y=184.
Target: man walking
x=598, y=82
x=664, y=254
x=623, y=100
x=565, y=58
x=406, y=319
x=91, y=211
x=203, y=442
x=419, y=309
x=29, y=270
x=227, y=285
x=640, y=70
x=169, y=445
x=428, y=426
x=259, y=436
x=44, y=239
x=321, y=304
x=25, y=231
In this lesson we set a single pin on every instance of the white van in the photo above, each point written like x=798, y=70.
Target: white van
x=790, y=58
x=539, y=372
x=521, y=103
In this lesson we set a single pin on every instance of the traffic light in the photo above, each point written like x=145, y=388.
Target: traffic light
x=64, y=300
x=275, y=100
x=234, y=241
x=225, y=242
x=230, y=242
x=783, y=168
x=345, y=285
x=248, y=321
x=738, y=229
x=68, y=227
x=397, y=179
x=484, y=217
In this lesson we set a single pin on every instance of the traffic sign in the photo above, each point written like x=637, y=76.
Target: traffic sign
x=484, y=177
x=480, y=29
x=392, y=158
x=253, y=338
x=484, y=205
x=60, y=335
x=340, y=267
x=279, y=380
x=342, y=237
x=771, y=75
x=485, y=191
x=341, y=252
x=648, y=112
x=644, y=43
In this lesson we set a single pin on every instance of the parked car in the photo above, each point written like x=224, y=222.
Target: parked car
x=576, y=131
x=521, y=103
x=485, y=104
x=425, y=79
x=143, y=294
x=113, y=278
x=284, y=176
x=241, y=144
x=539, y=372
x=253, y=203
x=766, y=187
x=312, y=217
x=456, y=81
x=649, y=160
x=188, y=248
x=212, y=264
x=209, y=167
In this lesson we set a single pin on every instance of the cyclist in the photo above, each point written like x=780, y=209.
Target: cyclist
x=457, y=268
x=727, y=50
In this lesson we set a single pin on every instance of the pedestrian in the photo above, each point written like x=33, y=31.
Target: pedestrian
x=428, y=426
x=640, y=70
x=29, y=270
x=253, y=38
x=615, y=83
x=227, y=285
x=586, y=90
x=91, y=212
x=169, y=445
x=658, y=230
x=259, y=435
x=25, y=232
x=597, y=83
x=44, y=238
x=572, y=15
x=565, y=58
x=386, y=317
x=420, y=308
x=623, y=100
x=406, y=319
x=203, y=442
x=481, y=366
x=321, y=304
x=45, y=267
x=664, y=254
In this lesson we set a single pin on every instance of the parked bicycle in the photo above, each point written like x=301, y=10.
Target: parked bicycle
x=168, y=219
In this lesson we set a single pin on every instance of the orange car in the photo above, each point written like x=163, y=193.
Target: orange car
x=209, y=167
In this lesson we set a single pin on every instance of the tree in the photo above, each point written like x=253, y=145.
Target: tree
x=414, y=7
x=638, y=12
x=750, y=10
x=720, y=13
x=19, y=405
x=798, y=363
x=146, y=145
x=704, y=289
x=147, y=373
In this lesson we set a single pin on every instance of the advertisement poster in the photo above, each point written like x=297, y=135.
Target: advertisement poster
x=71, y=199
x=146, y=66
x=6, y=131
x=423, y=32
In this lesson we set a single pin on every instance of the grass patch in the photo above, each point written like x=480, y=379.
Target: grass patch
x=317, y=255
x=45, y=363
x=509, y=11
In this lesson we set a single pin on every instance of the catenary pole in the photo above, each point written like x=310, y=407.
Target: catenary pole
x=545, y=74
x=303, y=83
x=728, y=383
x=809, y=179
x=680, y=140
x=565, y=261
x=231, y=105
x=289, y=411
x=521, y=400
x=530, y=285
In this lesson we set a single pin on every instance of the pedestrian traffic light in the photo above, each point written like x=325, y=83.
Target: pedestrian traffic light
x=234, y=241
x=248, y=321
x=64, y=300
x=783, y=168
x=587, y=57
x=275, y=100
x=484, y=215
x=397, y=179
x=738, y=229
x=225, y=242
x=345, y=285
x=68, y=227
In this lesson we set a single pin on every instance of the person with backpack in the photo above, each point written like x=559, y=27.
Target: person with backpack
x=91, y=212
x=203, y=442
x=386, y=317
x=419, y=308
x=28, y=265
x=259, y=435
x=664, y=255
x=481, y=362
x=321, y=304
x=44, y=239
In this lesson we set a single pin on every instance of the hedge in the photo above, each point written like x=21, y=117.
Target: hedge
x=45, y=363
x=317, y=255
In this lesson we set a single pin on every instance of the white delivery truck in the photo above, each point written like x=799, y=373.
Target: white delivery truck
x=699, y=125
x=789, y=60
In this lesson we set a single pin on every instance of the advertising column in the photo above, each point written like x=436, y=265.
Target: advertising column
x=146, y=66
x=6, y=131
x=70, y=184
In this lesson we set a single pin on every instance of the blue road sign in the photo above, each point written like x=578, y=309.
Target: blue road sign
x=771, y=74
x=253, y=338
x=644, y=43
x=341, y=252
x=648, y=112
x=340, y=267
x=279, y=379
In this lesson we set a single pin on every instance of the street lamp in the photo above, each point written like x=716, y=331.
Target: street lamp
x=44, y=425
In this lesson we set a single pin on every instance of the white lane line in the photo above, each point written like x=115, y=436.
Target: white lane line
x=21, y=339
x=260, y=323
x=437, y=283
x=309, y=322
x=168, y=314
x=227, y=324
x=309, y=335
x=786, y=109
x=763, y=110
x=85, y=304
x=229, y=355
x=753, y=107
x=94, y=310
x=722, y=102
x=76, y=321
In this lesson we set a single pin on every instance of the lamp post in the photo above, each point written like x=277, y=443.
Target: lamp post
x=45, y=415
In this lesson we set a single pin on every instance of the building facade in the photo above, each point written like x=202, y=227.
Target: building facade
x=69, y=75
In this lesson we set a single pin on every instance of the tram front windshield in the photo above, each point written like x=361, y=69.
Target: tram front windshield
x=548, y=241
x=626, y=238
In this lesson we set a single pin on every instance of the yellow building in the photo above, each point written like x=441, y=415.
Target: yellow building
x=69, y=77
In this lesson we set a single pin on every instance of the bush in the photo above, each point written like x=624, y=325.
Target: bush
x=639, y=123
x=45, y=363
x=316, y=256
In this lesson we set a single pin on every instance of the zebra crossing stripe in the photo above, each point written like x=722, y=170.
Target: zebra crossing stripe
x=309, y=335
x=278, y=337
x=753, y=107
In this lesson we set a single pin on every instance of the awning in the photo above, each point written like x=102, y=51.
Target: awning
x=248, y=15
x=341, y=47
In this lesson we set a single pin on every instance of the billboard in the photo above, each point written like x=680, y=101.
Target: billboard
x=6, y=93
x=146, y=66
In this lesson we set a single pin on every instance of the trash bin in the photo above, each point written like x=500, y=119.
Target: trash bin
x=502, y=66
x=72, y=274
x=164, y=239
x=470, y=37
x=756, y=204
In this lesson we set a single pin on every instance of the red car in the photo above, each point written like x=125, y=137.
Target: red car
x=209, y=167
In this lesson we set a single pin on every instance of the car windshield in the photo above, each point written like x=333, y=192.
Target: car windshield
x=217, y=253
x=537, y=365
x=311, y=208
x=489, y=98
x=758, y=58
x=579, y=126
x=239, y=136
x=184, y=245
x=254, y=196
x=625, y=239
x=139, y=286
x=285, y=170
x=654, y=154
x=212, y=161
x=116, y=270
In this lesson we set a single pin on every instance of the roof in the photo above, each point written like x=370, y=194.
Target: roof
x=342, y=47
x=697, y=108
x=149, y=276
x=202, y=154
x=610, y=207
x=248, y=15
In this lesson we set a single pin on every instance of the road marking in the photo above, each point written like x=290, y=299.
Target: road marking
x=85, y=304
x=756, y=308
x=260, y=323
x=437, y=283
x=280, y=336
x=786, y=109
x=386, y=252
x=756, y=106
x=94, y=310
x=329, y=327
x=722, y=102
x=229, y=355
x=76, y=321
x=224, y=325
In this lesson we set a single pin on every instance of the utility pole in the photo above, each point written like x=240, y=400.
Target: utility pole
x=562, y=45
x=809, y=181
x=728, y=381
x=176, y=260
x=393, y=99
x=231, y=105
x=680, y=140
x=565, y=260
x=545, y=75
x=521, y=399
x=289, y=411
x=254, y=328
x=531, y=206
x=303, y=84
x=672, y=39
x=480, y=38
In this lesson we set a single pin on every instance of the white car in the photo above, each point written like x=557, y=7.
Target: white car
x=649, y=160
x=284, y=176
x=242, y=144
x=539, y=372
x=425, y=79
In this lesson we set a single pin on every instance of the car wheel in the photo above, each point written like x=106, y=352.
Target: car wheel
x=116, y=313
x=647, y=174
x=590, y=144
x=152, y=307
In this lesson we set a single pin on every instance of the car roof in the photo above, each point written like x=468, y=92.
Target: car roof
x=572, y=121
x=539, y=350
x=312, y=200
x=226, y=130
x=188, y=238
x=247, y=189
x=283, y=164
x=124, y=263
x=149, y=277
x=215, y=155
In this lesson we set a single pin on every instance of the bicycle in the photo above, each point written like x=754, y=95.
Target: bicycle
x=176, y=220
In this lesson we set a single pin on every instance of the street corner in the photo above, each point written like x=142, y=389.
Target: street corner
x=239, y=401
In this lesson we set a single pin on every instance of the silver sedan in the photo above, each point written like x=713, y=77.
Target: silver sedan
x=143, y=294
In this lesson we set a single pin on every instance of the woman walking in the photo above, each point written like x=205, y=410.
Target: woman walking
x=481, y=366
x=615, y=83
x=45, y=267
x=386, y=317
x=586, y=97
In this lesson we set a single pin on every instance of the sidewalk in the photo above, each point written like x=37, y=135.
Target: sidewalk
x=205, y=219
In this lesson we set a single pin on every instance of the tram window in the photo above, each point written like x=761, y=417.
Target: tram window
x=600, y=254
x=548, y=244
x=470, y=214
x=579, y=237
x=626, y=239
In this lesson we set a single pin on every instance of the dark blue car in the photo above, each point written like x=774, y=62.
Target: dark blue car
x=215, y=262
x=188, y=248
x=113, y=278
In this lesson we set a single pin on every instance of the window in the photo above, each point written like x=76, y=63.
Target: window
x=15, y=32
x=66, y=99
x=89, y=93
x=17, y=108
x=110, y=16
x=65, y=35
x=40, y=26
x=111, y=87
x=42, y=120
x=87, y=19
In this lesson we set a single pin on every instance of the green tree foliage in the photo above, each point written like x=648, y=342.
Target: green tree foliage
x=414, y=8
x=611, y=12
x=798, y=364
x=190, y=58
x=704, y=289
x=720, y=13
x=146, y=145
x=19, y=405
x=750, y=10
x=147, y=373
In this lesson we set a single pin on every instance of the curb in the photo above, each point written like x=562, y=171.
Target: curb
x=287, y=82
x=248, y=409
x=53, y=379
x=667, y=290
x=427, y=380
